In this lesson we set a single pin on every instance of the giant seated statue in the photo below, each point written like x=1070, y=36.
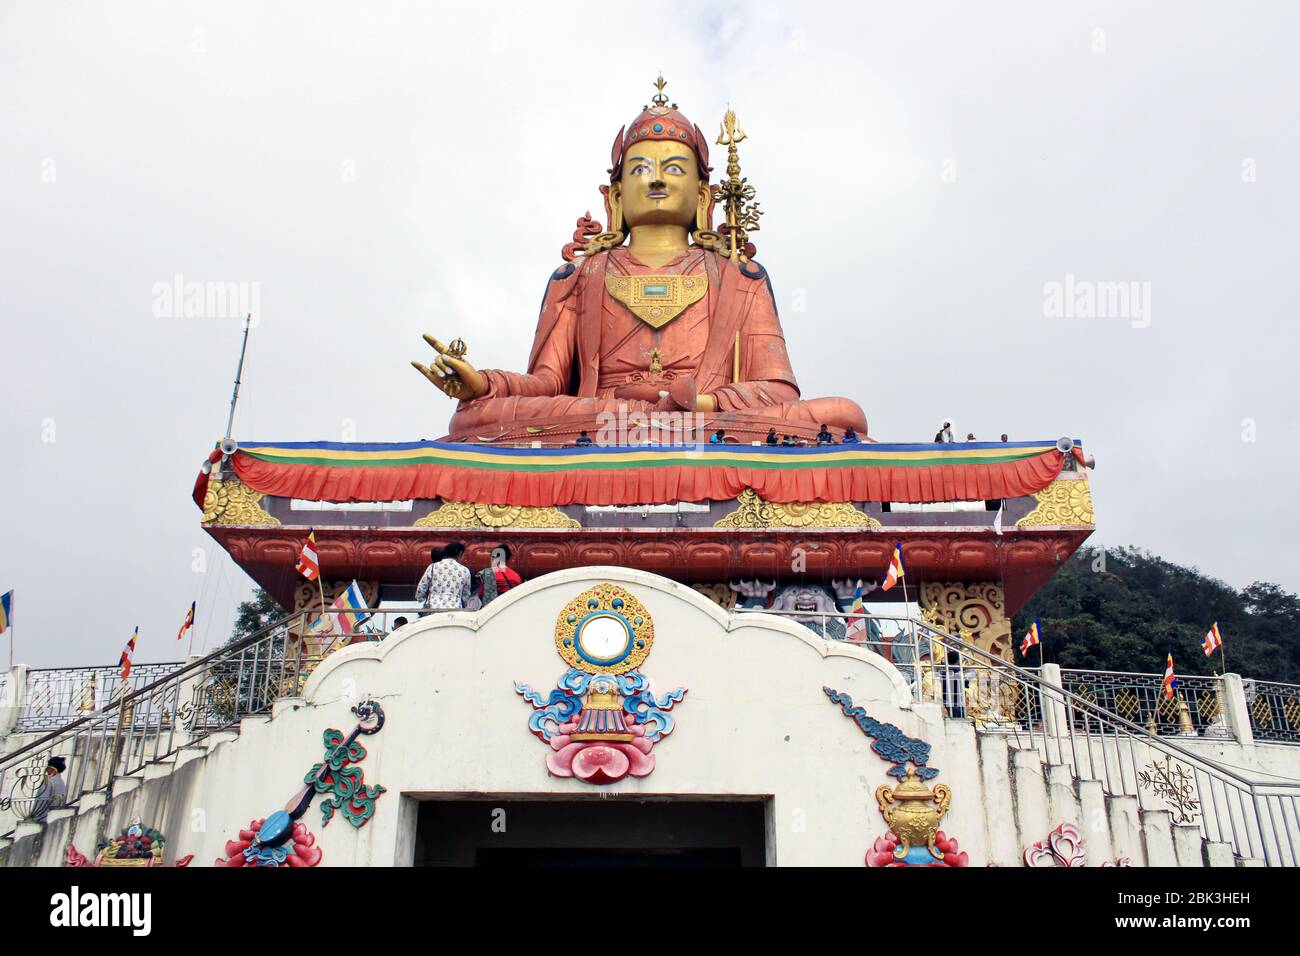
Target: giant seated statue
x=679, y=319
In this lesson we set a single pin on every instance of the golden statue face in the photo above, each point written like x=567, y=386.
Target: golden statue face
x=660, y=183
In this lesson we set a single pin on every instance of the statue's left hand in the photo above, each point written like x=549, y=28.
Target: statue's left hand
x=451, y=374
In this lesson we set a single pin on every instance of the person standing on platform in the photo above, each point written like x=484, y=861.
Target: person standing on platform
x=850, y=437
x=499, y=578
x=824, y=437
x=53, y=791
x=771, y=437
x=445, y=585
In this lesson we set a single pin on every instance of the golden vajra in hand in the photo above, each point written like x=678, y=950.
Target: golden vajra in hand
x=451, y=373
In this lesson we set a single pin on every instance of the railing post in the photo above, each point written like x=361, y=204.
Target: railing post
x=1238, y=714
x=15, y=696
x=1055, y=719
x=188, y=705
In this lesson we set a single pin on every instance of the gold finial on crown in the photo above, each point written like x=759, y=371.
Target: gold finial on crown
x=660, y=99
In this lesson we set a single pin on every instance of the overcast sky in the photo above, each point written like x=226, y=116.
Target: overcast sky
x=927, y=170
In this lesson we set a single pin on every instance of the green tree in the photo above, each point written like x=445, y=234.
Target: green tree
x=242, y=683
x=255, y=614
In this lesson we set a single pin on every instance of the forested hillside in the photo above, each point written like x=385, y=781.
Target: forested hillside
x=1135, y=607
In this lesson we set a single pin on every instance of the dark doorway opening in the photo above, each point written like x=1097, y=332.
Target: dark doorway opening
x=591, y=832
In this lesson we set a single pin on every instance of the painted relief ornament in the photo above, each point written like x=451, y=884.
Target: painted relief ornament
x=277, y=841
x=603, y=718
x=281, y=839
x=135, y=845
x=1064, y=848
x=911, y=809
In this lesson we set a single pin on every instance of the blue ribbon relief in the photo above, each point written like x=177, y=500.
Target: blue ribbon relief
x=888, y=741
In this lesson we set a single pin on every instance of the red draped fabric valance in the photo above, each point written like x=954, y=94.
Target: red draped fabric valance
x=332, y=471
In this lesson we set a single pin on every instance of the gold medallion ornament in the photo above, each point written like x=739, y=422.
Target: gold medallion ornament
x=1063, y=502
x=604, y=630
x=470, y=514
x=754, y=512
x=657, y=300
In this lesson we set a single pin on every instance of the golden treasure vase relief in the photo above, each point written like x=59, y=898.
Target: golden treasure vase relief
x=913, y=812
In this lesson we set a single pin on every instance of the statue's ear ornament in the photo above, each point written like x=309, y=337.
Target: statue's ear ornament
x=614, y=236
x=616, y=154
x=702, y=151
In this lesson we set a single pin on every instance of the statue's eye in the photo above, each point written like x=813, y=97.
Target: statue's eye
x=641, y=169
x=675, y=169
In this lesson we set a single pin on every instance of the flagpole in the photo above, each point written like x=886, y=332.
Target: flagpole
x=320, y=581
x=239, y=373
x=189, y=652
x=907, y=609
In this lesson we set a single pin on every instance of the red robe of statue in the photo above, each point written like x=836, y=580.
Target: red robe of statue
x=592, y=355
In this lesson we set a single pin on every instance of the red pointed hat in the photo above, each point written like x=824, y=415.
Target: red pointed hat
x=660, y=121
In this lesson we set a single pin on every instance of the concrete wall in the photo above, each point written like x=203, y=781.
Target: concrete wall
x=755, y=723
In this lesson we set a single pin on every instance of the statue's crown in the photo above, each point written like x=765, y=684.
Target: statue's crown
x=660, y=121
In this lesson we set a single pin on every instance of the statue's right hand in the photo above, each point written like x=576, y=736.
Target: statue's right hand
x=451, y=374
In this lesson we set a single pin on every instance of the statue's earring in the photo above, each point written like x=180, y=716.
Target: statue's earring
x=702, y=208
x=614, y=201
x=704, y=236
x=614, y=235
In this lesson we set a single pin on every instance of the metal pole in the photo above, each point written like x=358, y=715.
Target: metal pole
x=239, y=371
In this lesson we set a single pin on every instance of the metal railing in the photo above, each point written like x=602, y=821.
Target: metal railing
x=1257, y=818
x=1274, y=710
x=145, y=724
x=54, y=696
x=150, y=723
x=1196, y=708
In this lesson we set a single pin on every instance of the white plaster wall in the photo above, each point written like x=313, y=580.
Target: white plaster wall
x=755, y=722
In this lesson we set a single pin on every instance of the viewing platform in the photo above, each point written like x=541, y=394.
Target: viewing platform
x=967, y=515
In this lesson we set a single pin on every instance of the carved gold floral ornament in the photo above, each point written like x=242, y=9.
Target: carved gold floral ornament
x=470, y=514
x=754, y=512
x=231, y=502
x=1063, y=502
